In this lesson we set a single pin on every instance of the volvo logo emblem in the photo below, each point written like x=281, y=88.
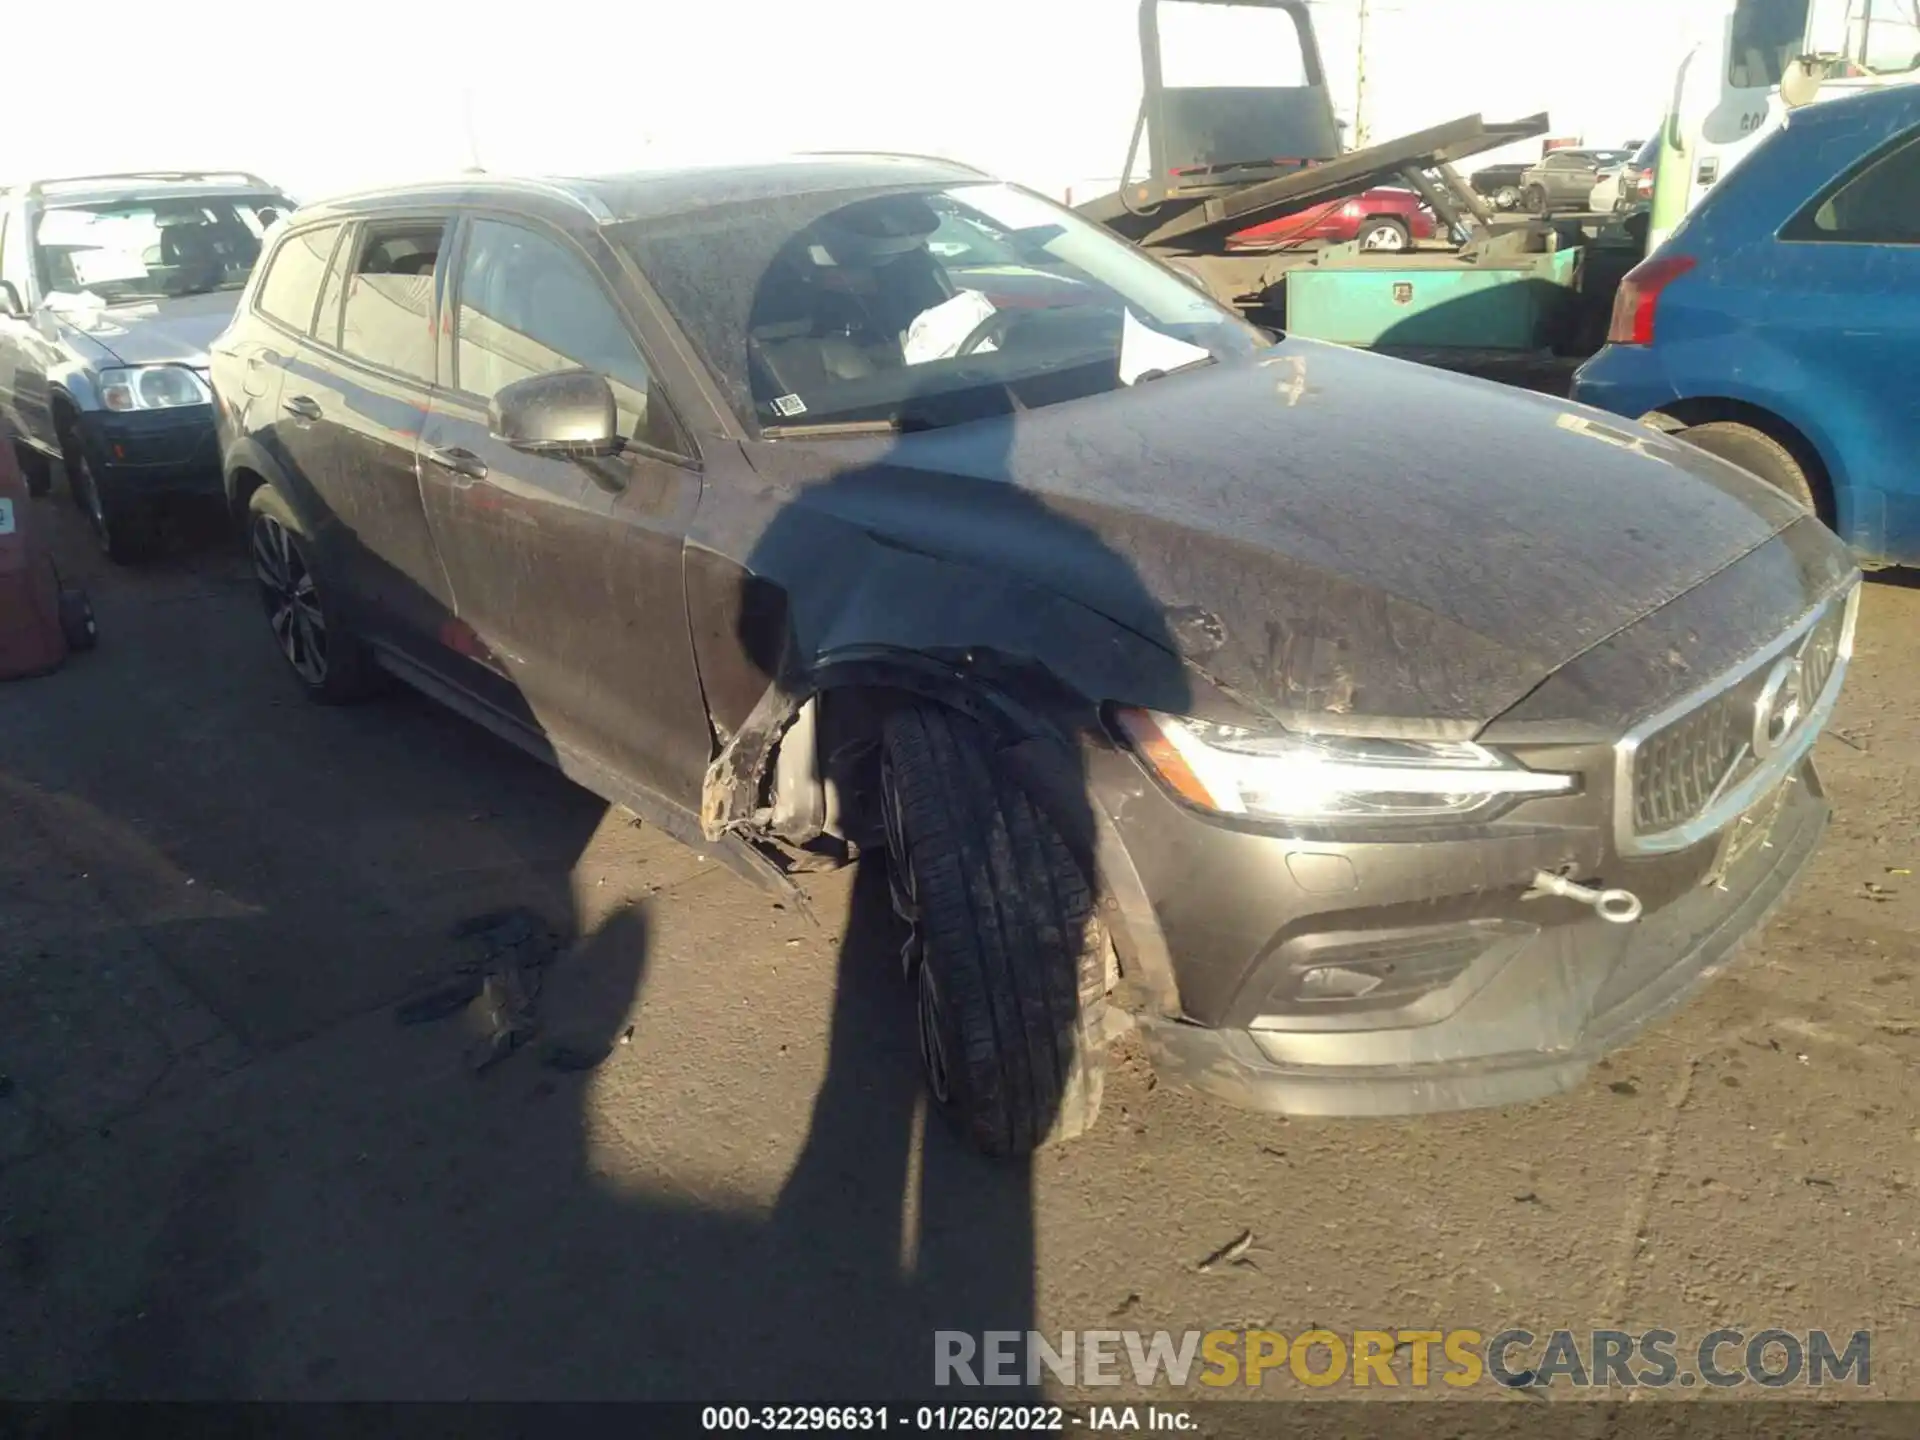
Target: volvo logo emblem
x=1778, y=708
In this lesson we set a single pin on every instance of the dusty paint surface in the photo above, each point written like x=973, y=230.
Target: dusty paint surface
x=226, y=1171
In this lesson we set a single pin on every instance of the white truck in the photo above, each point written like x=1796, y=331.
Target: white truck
x=1755, y=61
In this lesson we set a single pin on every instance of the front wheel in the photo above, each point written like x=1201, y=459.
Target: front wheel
x=1006, y=954
x=35, y=468
x=1506, y=198
x=126, y=531
x=331, y=664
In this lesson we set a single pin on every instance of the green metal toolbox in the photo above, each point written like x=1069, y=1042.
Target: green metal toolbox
x=1493, y=297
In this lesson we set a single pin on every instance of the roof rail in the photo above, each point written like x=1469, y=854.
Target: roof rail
x=889, y=155
x=590, y=203
x=35, y=187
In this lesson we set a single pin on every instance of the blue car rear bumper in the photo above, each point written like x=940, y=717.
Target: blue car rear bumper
x=1628, y=381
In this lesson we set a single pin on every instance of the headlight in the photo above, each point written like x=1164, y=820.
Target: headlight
x=1319, y=779
x=153, y=387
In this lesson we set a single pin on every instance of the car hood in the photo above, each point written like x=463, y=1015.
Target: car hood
x=153, y=331
x=1320, y=532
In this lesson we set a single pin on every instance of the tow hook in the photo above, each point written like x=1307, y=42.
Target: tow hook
x=1618, y=907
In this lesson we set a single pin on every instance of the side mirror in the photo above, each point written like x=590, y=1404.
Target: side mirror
x=570, y=414
x=1801, y=81
x=10, y=303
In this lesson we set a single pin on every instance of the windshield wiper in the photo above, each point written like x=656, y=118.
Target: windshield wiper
x=1198, y=364
x=897, y=425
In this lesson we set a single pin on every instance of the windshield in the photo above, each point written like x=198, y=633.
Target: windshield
x=1764, y=38
x=914, y=308
x=125, y=250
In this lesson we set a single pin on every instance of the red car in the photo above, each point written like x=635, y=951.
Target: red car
x=1381, y=219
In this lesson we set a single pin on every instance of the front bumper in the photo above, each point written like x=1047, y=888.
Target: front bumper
x=152, y=454
x=1527, y=1015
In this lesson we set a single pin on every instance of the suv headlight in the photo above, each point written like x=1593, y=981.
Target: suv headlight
x=1320, y=779
x=153, y=387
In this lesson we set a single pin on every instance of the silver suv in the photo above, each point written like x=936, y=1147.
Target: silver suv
x=111, y=286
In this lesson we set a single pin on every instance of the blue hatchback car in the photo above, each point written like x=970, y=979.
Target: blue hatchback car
x=1779, y=326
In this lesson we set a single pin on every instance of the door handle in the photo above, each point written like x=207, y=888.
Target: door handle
x=303, y=407
x=463, y=463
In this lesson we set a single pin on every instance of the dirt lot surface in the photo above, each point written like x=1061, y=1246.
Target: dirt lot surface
x=226, y=1170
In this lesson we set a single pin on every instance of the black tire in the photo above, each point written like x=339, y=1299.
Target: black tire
x=328, y=661
x=1506, y=198
x=1756, y=451
x=1383, y=232
x=1535, y=200
x=126, y=533
x=35, y=467
x=1007, y=954
x=76, y=620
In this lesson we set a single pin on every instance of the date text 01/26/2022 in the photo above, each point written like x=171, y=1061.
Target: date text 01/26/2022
x=1010, y=1419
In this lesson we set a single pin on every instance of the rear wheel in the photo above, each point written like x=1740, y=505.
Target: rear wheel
x=1536, y=199
x=1383, y=232
x=1006, y=955
x=1755, y=451
x=1507, y=197
x=329, y=661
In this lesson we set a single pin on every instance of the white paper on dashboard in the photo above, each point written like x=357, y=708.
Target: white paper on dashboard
x=1143, y=348
x=937, y=334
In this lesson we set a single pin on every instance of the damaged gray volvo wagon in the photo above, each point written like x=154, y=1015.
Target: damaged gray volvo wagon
x=1374, y=740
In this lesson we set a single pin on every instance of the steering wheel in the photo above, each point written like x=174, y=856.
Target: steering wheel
x=994, y=328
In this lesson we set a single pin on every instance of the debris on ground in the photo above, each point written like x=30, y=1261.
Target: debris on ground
x=506, y=956
x=1231, y=1251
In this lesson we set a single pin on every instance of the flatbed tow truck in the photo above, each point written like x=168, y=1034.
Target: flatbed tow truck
x=1520, y=299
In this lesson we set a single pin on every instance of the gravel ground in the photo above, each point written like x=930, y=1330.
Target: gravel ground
x=225, y=1170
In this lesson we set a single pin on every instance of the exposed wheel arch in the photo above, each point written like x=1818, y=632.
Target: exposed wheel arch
x=1035, y=727
x=242, y=481
x=1683, y=414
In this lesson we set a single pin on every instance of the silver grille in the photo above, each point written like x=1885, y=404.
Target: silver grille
x=1690, y=770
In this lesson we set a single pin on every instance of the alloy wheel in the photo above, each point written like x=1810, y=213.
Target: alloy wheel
x=292, y=599
x=1383, y=237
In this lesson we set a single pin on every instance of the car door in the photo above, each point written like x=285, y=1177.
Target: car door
x=566, y=575
x=361, y=391
x=251, y=363
x=1840, y=291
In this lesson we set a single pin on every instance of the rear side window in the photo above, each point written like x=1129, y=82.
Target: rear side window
x=1876, y=205
x=292, y=282
x=387, y=319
